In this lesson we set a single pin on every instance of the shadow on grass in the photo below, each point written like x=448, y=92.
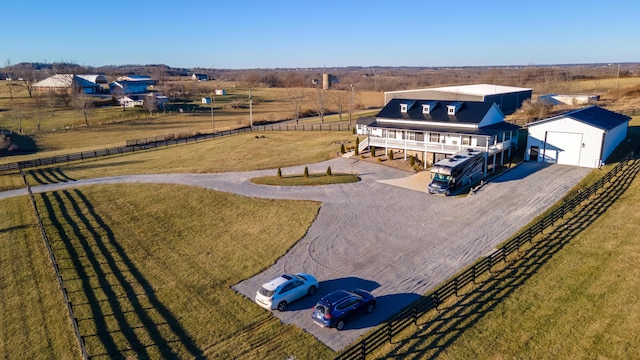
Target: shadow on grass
x=49, y=176
x=435, y=335
x=118, y=313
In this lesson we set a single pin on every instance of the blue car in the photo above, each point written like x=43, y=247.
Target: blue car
x=337, y=307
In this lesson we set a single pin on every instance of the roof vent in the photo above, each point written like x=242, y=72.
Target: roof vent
x=453, y=108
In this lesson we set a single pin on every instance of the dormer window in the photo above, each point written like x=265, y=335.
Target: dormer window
x=452, y=109
x=403, y=108
x=428, y=107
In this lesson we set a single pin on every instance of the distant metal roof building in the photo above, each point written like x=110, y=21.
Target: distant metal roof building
x=508, y=98
x=60, y=82
x=98, y=79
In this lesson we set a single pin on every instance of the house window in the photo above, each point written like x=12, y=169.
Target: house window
x=391, y=134
x=426, y=109
x=434, y=137
x=410, y=135
x=419, y=136
x=403, y=108
x=466, y=140
x=507, y=136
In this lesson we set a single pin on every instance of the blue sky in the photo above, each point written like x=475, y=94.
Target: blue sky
x=310, y=33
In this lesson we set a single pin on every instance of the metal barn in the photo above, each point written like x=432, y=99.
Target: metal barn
x=584, y=137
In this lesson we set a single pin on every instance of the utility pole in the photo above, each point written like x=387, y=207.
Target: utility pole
x=351, y=103
x=213, y=102
x=250, y=110
x=618, y=77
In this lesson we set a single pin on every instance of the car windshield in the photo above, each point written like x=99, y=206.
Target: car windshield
x=265, y=292
x=441, y=178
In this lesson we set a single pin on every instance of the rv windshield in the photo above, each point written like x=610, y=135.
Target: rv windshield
x=441, y=177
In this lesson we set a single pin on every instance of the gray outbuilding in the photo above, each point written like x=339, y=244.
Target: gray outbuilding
x=508, y=98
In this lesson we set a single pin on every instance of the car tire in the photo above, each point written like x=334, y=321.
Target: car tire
x=312, y=291
x=370, y=308
x=447, y=193
x=340, y=325
x=282, y=306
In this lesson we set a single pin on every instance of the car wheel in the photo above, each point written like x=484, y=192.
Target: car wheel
x=370, y=308
x=340, y=325
x=447, y=193
x=312, y=290
x=282, y=306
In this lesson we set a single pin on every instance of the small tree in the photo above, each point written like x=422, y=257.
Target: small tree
x=373, y=151
x=306, y=172
x=279, y=172
x=390, y=154
x=328, y=170
x=342, y=149
x=357, y=145
x=412, y=160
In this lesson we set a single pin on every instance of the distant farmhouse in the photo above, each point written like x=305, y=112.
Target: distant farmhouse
x=508, y=98
x=126, y=87
x=585, y=137
x=65, y=83
x=200, y=77
x=140, y=100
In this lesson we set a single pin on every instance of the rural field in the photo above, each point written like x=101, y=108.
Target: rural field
x=149, y=268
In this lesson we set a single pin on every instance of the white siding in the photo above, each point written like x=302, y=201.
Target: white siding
x=614, y=137
x=560, y=135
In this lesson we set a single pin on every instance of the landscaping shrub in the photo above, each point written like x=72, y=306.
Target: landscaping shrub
x=328, y=170
x=390, y=154
x=279, y=172
x=306, y=171
x=357, y=145
x=341, y=148
x=412, y=160
x=373, y=151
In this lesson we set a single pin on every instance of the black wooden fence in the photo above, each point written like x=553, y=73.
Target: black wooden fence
x=409, y=316
x=304, y=127
x=164, y=140
x=56, y=269
x=130, y=146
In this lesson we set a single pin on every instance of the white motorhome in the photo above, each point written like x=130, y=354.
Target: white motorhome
x=459, y=170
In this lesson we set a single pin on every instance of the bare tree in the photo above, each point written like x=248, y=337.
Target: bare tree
x=118, y=93
x=26, y=77
x=340, y=100
x=84, y=104
x=150, y=103
x=294, y=99
x=39, y=107
x=320, y=101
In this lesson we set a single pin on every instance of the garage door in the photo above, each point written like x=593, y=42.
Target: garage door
x=563, y=148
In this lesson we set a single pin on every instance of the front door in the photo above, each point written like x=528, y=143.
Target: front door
x=533, y=153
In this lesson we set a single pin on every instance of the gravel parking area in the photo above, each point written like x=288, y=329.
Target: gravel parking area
x=385, y=233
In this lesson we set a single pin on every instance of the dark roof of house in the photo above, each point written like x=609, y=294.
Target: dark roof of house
x=469, y=112
x=593, y=115
x=489, y=130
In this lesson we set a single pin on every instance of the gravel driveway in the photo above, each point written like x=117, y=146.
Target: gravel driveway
x=382, y=234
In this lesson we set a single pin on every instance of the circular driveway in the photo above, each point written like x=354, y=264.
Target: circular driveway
x=384, y=233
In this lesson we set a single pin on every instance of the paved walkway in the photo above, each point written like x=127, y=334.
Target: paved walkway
x=384, y=233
